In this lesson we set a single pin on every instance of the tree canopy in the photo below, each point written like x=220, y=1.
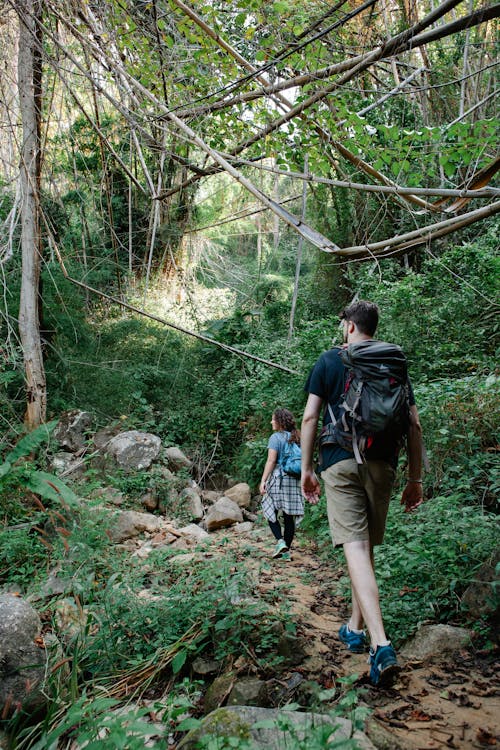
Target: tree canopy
x=384, y=111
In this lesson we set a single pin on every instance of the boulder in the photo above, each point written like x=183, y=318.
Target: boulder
x=246, y=723
x=131, y=523
x=243, y=528
x=66, y=463
x=72, y=429
x=434, y=641
x=149, y=501
x=204, y=667
x=482, y=595
x=192, y=502
x=240, y=493
x=134, y=450
x=22, y=661
x=224, y=512
x=109, y=495
x=192, y=531
x=249, y=691
x=104, y=435
x=177, y=459
x=210, y=496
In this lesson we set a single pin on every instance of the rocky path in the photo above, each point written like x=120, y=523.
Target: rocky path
x=452, y=703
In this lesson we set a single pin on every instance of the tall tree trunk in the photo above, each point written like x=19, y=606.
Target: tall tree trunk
x=29, y=76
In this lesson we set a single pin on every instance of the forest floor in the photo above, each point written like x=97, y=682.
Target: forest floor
x=453, y=703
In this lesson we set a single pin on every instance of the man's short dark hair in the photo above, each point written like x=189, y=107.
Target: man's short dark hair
x=364, y=314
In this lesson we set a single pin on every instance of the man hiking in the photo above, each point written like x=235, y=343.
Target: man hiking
x=358, y=490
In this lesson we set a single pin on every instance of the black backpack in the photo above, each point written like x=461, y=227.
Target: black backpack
x=375, y=398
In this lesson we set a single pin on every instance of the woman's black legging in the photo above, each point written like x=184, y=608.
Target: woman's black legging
x=288, y=532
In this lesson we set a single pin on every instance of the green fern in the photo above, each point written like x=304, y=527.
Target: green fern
x=48, y=486
x=29, y=442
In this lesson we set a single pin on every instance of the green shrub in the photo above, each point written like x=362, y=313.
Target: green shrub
x=428, y=560
x=207, y=598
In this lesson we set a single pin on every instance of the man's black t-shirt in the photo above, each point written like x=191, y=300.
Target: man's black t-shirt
x=327, y=380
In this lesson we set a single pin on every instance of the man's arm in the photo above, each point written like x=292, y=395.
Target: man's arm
x=413, y=494
x=309, y=481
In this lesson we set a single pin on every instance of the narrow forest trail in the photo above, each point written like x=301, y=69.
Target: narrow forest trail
x=453, y=703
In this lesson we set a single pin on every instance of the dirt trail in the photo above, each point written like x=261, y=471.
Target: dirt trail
x=452, y=704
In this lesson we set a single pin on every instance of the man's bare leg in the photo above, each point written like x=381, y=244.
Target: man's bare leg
x=365, y=596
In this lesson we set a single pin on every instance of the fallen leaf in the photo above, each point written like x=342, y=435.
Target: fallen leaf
x=485, y=737
x=418, y=715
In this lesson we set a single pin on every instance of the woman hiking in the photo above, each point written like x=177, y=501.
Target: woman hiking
x=280, y=490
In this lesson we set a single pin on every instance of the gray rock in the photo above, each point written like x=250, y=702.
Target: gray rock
x=72, y=429
x=194, y=532
x=205, y=667
x=210, y=496
x=482, y=594
x=177, y=459
x=224, y=512
x=22, y=662
x=435, y=641
x=66, y=463
x=291, y=649
x=240, y=722
x=149, y=501
x=192, y=501
x=240, y=493
x=134, y=450
x=131, y=523
x=243, y=528
x=249, y=691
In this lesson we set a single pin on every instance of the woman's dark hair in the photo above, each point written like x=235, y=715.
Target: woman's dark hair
x=364, y=314
x=286, y=421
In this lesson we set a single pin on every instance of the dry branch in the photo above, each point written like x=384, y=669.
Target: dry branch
x=424, y=234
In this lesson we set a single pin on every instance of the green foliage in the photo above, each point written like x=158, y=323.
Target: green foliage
x=97, y=723
x=461, y=420
x=428, y=560
x=444, y=315
x=13, y=473
x=23, y=556
x=206, y=596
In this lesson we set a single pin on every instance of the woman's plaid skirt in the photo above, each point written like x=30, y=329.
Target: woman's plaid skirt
x=283, y=493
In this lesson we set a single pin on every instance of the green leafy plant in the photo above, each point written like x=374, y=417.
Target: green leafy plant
x=97, y=723
x=12, y=472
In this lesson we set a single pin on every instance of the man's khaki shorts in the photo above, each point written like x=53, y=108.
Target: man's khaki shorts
x=357, y=498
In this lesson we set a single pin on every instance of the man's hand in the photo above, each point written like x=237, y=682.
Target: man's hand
x=310, y=487
x=413, y=496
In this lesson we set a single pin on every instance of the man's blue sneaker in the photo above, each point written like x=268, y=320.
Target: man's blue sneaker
x=383, y=666
x=355, y=642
